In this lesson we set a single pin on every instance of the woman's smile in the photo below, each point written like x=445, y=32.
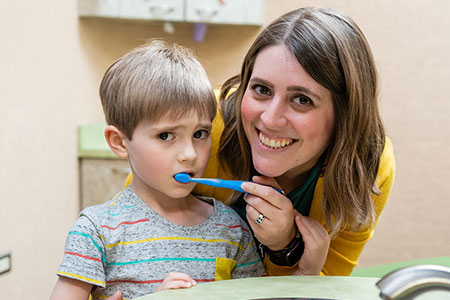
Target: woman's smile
x=274, y=142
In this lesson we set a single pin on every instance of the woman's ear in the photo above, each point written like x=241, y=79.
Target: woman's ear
x=115, y=139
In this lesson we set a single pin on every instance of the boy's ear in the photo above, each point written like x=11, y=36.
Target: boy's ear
x=115, y=139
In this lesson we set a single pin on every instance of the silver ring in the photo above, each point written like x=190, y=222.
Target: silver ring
x=260, y=219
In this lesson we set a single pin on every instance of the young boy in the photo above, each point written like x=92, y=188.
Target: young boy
x=155, y=234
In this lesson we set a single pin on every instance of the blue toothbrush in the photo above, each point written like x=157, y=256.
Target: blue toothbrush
x=229, y=184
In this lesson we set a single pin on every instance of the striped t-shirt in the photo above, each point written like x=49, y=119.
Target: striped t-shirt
x=124, y=244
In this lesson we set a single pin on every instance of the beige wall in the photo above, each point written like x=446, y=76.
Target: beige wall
x=51, y=65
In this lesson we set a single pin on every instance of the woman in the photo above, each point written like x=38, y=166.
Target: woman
x=303, y=116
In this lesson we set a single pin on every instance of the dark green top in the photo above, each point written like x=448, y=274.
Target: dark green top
x=301, y=197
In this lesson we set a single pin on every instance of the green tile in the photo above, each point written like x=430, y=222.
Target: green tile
x=382, y=270
x=92, y=143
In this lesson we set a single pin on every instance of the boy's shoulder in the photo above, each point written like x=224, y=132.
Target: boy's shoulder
x=123, y=204
x=224, y=212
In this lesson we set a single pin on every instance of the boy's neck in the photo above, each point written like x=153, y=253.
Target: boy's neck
x=185, y=211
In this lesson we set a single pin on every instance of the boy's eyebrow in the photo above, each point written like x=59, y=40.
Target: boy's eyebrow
x=294, y=88
x=206, y=125
x=175, y=127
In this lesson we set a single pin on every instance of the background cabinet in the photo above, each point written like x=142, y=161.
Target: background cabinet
x=248, y=12
x=99, y=8
x=167, y=10
x=237, y=12
x=101, y=179
x=102, y=173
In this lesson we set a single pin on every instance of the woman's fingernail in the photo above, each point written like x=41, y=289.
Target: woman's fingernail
x=245, y=185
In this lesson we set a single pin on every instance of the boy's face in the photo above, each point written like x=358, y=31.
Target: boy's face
x=158, y=150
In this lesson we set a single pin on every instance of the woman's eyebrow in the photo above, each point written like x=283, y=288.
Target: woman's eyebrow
x=260, y=80
x=304, y=90
x=295, y=88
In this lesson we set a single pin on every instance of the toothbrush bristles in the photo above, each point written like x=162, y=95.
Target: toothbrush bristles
x=182, y=177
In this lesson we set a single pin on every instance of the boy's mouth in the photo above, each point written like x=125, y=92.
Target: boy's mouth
x=191, y=175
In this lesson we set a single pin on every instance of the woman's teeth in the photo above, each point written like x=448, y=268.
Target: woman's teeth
x=274, y=144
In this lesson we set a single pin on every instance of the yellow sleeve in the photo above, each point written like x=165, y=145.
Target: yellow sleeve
x=276, y=270
x=347, y=246
x=128, y=180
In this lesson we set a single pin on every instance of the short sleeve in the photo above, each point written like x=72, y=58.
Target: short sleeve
x=84, y=254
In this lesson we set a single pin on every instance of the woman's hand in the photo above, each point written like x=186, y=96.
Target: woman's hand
x=175, y=280
x=317, y=242
x=277, y=228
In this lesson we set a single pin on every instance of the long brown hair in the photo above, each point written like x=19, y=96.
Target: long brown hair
x=334, y=52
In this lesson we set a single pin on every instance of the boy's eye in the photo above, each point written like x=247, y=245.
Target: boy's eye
x=201, y=134
x=303, y=100
x=166, y=136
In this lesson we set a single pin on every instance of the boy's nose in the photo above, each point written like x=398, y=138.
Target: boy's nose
x=274, y=114
x=187, y=152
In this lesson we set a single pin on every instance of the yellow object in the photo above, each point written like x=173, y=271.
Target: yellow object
x=346, y=247
x=82, y=278
x=224, y=267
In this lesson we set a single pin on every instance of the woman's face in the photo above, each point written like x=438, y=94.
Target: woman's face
x=288, y=117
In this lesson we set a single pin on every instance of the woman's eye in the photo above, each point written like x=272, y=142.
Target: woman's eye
x=261, y=89
x=201, y=134
x=303, y=100
x=166, y=136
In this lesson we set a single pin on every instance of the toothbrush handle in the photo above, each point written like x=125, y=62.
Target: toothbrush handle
x=221, y=183
x=236, y=185
x=232, y=184
x=229, y=184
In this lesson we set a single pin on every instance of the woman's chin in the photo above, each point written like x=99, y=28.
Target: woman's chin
x=268, y=169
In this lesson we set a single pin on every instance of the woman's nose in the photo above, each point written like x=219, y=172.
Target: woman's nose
x=274, y=114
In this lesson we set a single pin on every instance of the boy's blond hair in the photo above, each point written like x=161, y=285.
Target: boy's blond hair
x=151, y=81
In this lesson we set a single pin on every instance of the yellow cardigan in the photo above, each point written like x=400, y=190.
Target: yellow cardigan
x=346, y=247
